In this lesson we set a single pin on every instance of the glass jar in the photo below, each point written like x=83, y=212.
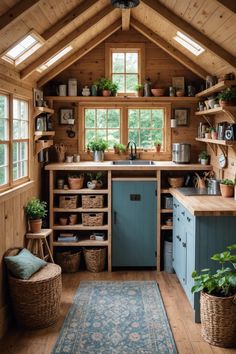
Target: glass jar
x=171, y=91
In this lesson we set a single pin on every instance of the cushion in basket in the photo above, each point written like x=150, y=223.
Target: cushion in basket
x=24, y=264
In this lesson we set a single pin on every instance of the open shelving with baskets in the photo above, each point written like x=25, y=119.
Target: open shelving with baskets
x=80, y=217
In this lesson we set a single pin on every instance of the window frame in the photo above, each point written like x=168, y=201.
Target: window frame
x=144, y=154
x=125, y=47
x=11, y=183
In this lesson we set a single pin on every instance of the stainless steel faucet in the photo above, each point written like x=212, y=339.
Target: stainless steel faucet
x=133, y=154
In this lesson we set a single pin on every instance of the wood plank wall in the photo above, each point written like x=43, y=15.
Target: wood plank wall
x=12, y=216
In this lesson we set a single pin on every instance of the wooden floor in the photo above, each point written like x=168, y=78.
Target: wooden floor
x=186, y=332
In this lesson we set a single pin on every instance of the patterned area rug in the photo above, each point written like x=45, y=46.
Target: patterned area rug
x=116, y=318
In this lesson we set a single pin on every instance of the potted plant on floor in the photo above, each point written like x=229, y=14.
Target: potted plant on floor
x=227, y=188
x=227, y=97
x=204, y=157
x=98, y=146
x=35, y=210
x=217, y=299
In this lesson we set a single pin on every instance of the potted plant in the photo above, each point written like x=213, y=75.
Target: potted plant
x=227, y=188
x=119, y=148
x=139, y=88
x=204, y=157
x=95, y=180
x=114, y=89
x=217, y=299
x=76, y=181
x=227, y=97
x=213, y=133
x=157, y=144
x=98, y=146
x=207, y=133
x=106, y=86
x=35, y=210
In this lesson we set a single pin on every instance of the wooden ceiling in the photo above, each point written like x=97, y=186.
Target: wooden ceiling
x=86, y=23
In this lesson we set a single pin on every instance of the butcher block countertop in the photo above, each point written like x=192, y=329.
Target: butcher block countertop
x=206, y=205
x=107, y=165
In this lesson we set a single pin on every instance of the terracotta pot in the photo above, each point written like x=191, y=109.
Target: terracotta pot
x=214, y=135
x=35, y=225
x=226, y=103
x=72, y=219
x=140, y=92
x=158, y=92
x=208, y=135
x=158, y=148
x=227, y=191
x=106, y=93
x=62, y=221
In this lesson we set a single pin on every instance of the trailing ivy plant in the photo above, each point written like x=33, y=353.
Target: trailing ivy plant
x=223, y=282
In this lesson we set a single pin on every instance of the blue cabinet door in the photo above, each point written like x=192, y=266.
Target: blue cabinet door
x=134, y=223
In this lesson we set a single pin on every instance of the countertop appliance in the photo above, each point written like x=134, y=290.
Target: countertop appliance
x=188, y=191
x=230, y=132
x=181, y=152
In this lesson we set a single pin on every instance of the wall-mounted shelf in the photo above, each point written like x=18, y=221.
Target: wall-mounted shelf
x=218, y=142
x=166, y=227
x=216, y=88
x=40, y=134
x=230, y=111
x=42, y=144
x=119, y=99
x=39, y=110
x=165, y=211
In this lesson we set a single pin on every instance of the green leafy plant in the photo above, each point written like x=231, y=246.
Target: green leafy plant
x=97, y=145
x=139, y=87
x=222, y=283
x=228, y=94
x=157, y=142
x=95, y=176
x=114, y=88
x=212, y=129
x=106, y=84
x=203, y=155
x=119, y=148
x=228, y=182
x=75, y=175
x=36, y=209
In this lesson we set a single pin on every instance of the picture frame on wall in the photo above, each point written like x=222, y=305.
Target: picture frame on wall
x=178, y=83
x=66, y=114
x=38, y=98
x=182, y=116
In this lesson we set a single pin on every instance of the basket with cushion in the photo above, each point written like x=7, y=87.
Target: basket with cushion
x=95, y=259
x=92, y=201
x=92, y=219
x=36, y=300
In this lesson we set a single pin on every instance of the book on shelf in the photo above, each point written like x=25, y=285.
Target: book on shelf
x=67, y=237
x=98, y=236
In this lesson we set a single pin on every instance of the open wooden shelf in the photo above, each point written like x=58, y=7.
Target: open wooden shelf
x=79, y=227
x=85, y=242
x=42, y=144
x=216, y=88
x=218, y=142
x=120, y=99
x=39, y=110
x=216, y=110
x=80, y=210
x=166, y=227
x=40, y=134
x=165, y=211
x=165, y=190
x=80, y=191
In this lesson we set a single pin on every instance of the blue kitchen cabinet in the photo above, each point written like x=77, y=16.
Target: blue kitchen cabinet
x=195, y=240
x=134, y=223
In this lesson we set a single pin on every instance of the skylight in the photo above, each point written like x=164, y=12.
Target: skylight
x=23, y=49
x=188, y=43
x=54, y=59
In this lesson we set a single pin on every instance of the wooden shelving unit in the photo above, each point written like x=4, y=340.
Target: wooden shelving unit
x=230, y=111
x=40, y=143
x=39, y=110
x=120, y=99
x=218, y=142
x=217, y=88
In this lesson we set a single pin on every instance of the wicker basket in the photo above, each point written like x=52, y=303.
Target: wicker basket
x=75, y=183
x=68, y=261
x=92, y=219
x=36, y=301
x=92, y=201
x=176, y=182
x=95, y=259
x=218, y=316
x=68, y=201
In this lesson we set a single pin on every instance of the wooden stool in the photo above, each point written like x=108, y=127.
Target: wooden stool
x=38, y=245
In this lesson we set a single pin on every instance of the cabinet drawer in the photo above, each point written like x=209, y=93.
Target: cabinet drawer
x=186, y=217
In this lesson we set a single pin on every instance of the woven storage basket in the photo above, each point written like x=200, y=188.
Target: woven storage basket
x=68, y=201
x=95, y=259
x=218, y=317
x=92, y=219
x=176, y=182
x=75, y=183
x=69, y=261
x=92, y=201
x=36, y=301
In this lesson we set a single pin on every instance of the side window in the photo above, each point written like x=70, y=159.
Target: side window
x=4, y=140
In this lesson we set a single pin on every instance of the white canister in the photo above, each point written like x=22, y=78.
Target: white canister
x=72, y=87
x=62, y=90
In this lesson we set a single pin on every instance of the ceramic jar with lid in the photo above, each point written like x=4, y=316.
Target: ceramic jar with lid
x=72, y=87
x=86, y=91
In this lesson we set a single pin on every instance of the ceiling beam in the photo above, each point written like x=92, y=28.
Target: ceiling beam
x=78, y=11
x=184, y=26
x=80, y=53
x=125, y=19
x=16, y=12
x=66, y=41
x=229, y=4
x=168, y=48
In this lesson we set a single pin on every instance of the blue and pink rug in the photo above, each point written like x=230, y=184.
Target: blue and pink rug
x=116, y=318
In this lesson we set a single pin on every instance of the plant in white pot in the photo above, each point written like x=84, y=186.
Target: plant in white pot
x=98, y=146
x=218, y=299
x=204, y=157
x=35, y=210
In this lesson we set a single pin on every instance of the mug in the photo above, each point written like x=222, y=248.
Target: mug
x=76, y=158
x=69, y=158
x=91, y=185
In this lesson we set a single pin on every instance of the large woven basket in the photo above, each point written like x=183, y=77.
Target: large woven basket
x=68, y=201
x=92, y=201
x=36, y=301
x=218, y=318
x=69, y=261
x=176, y=182
x=92, y=219
x=95, y=259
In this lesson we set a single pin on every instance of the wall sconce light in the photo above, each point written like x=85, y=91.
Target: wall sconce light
x=173, y=123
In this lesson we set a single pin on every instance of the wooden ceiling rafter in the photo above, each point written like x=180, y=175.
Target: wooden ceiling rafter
x=72, y=15
x=16, y=12
x=80, y=53
x=125, y=14
x=229, y=4
x=66, y=41
x=168, y=48
x=188, y=29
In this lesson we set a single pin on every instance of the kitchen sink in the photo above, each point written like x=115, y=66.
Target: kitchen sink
x=133, y=162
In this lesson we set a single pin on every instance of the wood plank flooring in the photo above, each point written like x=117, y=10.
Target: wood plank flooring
x=185, y=331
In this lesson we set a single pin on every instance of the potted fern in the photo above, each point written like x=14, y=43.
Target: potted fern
x=35, y=210
x=217, y=299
